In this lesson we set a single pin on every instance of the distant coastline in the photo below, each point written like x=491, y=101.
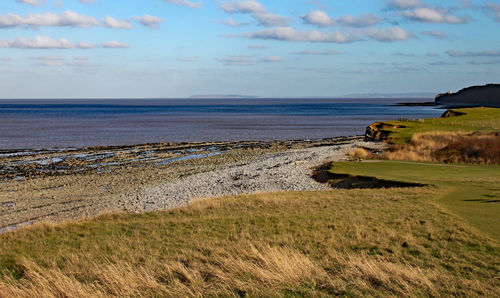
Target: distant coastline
x=407, y=95
x=221, y=96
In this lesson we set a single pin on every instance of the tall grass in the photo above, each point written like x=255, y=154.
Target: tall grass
x=390, y=242
x=448, y=147
x=250, y=271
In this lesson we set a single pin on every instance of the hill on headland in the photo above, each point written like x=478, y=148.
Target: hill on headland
x=475, y=96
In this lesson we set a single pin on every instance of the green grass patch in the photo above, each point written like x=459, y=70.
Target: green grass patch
x=470, y=191
x=475, y=119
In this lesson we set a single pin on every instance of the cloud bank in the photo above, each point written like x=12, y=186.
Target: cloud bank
x=44, y=42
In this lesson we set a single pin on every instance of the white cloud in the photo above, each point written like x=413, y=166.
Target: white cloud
x=58, y=3
x=114, y=44
x=318, y=18
x=433, y=15
x=321, y=19
x=228, y=36
x=290, y=34
x=110, y=22
x=232, y=23
x=44, y=42
x=267, y=19
x=86, y=1
x=38, y=42
x=29, y=2
x=81, y=63
x=149, y=21
x=493, y=10
x=72, y=19
x=442, y=63
x=50, y=61
x=388, y=34
x=479, y=62
x=65, y=19
x=436, y=34
x=48, y=58
x=364, y=20
x=257, y=46
x=454, y=53
x=319, y=53
x=56, y=61
x=419, y=11
x=240, y=60
x=402, y=54
x=186, y=3
x=271, y=59
x=188, y=59
x=404, y=4
x=85, y=45
x=257, y=11
x=248, y=6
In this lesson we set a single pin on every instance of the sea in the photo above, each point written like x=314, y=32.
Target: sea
x=42, y=124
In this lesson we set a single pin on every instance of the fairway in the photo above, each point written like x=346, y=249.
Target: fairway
x=475, y=119
x=470, y=191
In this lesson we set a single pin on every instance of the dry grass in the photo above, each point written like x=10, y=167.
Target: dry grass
x=449, y=147
x=389, y=242
x=361, y=153
x=250, y=271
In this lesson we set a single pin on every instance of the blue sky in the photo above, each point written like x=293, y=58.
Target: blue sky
x=294, y=48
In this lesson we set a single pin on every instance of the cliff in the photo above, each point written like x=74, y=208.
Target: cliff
x=380, y=131
x=476, y=96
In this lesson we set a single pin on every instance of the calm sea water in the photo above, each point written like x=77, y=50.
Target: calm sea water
x=79, y=123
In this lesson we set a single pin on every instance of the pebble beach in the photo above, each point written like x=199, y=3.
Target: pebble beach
x=59, y=185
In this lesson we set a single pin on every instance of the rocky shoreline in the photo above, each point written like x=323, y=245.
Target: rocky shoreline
x=56, y=185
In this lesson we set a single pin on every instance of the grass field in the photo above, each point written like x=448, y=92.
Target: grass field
x=475, y=119
x=341, y=242
x=470, y=191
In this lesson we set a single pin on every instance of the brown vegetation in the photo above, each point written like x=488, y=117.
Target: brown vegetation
x=228, y=274
x=361, y=153
x=449, y=147
x=452, y=113
x=380, y=131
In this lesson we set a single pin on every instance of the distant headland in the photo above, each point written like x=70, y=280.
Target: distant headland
x=221, y=96
x=475, y=96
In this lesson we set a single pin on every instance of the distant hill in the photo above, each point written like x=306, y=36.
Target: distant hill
x=212, y=96
x=475, y=96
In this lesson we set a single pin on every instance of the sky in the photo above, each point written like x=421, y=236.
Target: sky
x=266, y=48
